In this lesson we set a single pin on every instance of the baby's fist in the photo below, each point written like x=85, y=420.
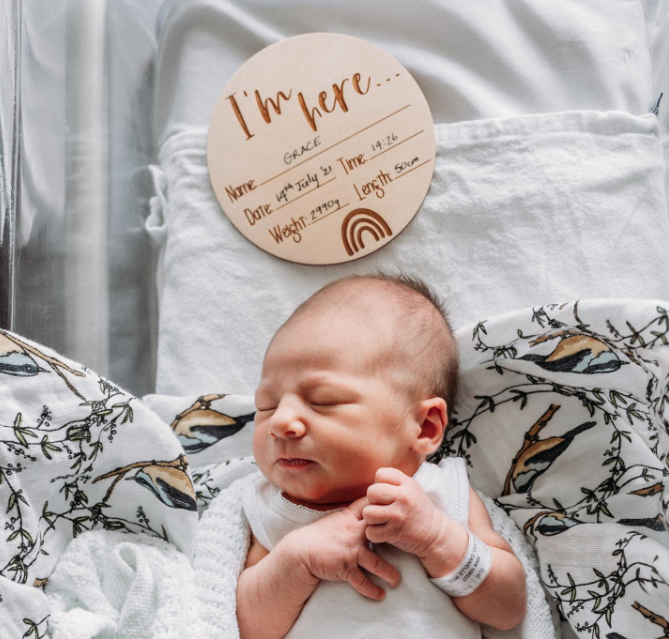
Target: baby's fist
x=400, y=513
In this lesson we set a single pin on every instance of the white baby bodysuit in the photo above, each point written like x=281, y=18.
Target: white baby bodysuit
x=416, y=608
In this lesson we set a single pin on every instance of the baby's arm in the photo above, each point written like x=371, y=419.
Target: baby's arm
x=500, y=600
x=271, y=591
x=333, y=548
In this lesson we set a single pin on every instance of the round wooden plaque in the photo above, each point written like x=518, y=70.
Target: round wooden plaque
x=321, y=148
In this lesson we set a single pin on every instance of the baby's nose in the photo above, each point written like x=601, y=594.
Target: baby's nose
x=287, y=430
x=285, y=422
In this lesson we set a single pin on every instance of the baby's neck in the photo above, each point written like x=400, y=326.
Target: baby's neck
x=313, y=506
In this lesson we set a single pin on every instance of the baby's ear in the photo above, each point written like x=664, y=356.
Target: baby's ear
x=434, y=419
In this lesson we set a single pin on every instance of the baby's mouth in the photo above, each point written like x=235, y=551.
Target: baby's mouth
x=294, y=463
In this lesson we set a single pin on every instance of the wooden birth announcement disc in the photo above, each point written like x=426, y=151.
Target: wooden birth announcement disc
x=321, y=148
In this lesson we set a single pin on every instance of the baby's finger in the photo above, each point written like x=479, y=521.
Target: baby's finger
x=382, y=494
x=364, y=586
x=374, y=515
x=357, y=506
x=376, y=564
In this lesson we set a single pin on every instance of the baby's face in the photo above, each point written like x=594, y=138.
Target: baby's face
x=315, y=402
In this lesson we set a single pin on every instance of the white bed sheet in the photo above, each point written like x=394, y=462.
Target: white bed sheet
x=656, y=13
x=473, y=60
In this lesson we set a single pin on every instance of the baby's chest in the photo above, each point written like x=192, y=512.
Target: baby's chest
x=415, y=608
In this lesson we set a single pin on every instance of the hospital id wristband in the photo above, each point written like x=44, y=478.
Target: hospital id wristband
x=471, y=571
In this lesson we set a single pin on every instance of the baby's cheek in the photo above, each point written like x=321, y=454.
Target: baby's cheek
x=259, y=441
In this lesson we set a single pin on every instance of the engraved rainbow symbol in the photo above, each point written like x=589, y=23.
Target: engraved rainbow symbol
x=359, y=221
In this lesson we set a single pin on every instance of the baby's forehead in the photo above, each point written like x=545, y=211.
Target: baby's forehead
x=368, y=320
x=348, y=329
x=359, y=301
x=363, y=330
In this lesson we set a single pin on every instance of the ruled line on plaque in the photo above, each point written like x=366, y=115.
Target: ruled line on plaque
x=330, y=213
x=394, y=146
x=278, y=208
x=414, y=168
x=334, y=145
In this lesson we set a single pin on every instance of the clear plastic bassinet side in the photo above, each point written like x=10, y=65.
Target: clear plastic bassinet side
x=9, y=75
x=76, y=266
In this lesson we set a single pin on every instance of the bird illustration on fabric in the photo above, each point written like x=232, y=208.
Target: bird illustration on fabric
x=17, y=357
x=649, y=491
x=549, y=523
x=654, y=523
x=14, y=360
x=201, y=426
x=536, y=457
x=171, y=485
x=167, y=480
x=576, y=352
x=653, y=617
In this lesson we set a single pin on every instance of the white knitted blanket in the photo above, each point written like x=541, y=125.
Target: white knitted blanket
x=111, y=584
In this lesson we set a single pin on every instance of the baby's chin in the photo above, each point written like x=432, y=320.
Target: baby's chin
x=302, y=487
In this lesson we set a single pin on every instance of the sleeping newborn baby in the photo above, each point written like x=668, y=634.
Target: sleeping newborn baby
x=356, y=390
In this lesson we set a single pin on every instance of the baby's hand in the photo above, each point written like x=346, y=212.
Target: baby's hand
x=401, y=514
x=334, y=548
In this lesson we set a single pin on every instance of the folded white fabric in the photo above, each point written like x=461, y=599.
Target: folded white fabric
x=521, y=211
x=107, y=584
x=110, y=584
